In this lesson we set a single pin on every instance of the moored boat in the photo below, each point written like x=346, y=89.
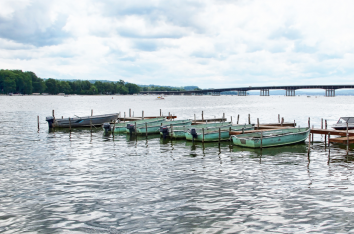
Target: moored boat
x=121, y=127
x=179, y=132
x=342, y=123
x=155, y=129
x=271, y=138
x=77, y=121
x=216, y=133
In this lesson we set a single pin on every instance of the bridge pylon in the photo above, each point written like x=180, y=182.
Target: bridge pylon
x=290, y=92
x=264, y=92
x=330, y=92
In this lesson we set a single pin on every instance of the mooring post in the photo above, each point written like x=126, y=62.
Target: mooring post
x=219, y=136
x=160, y=112
x=312, y=133
x=130, y=113
x=347, y=139
x=91, y=112
x=91, y=126
x=294, y=123
x=261, y=140
x=326, y=124
x=195, y=120
x=202, y=116
x=249, y=118
x=142, y=115
x=308, y=150
x=135, y=129
x=223, y=116
x=309, y=123
x=238, y=118
x=124, y=117
x=329, y=142
x=146, y=129
x=114, y=127
x=53, y=113
x=231, y=119
x=38, y=121
x=203, y=135
x=282, y=121
x=321, y=123
x=278, y=118
x=258, y=123
x=69, y=124
x=171, y=131
x=243, y=130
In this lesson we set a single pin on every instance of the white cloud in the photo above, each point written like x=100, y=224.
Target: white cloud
x=204, y=43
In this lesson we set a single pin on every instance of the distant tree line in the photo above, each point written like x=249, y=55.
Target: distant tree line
x=161, y=88
x=17, y=81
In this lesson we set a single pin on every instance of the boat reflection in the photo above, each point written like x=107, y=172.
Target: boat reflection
x=300, y=148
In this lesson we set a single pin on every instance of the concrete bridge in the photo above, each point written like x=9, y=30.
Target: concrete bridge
x=330, y=90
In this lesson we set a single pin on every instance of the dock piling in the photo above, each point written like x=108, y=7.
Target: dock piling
x=257, y=123
x=160, y=112
x=219, y=136
x=231, y=119
x=326, y=124
x=249, y=118
x=69, y=124
x=203, y=135
x=261, y=140
x=146, y=129
x=114, y=127
x=91, y=112
x=321, y=123
x=202, y=115
x=238, y=118
x=278, y=118
x=38, y=121
x=309, y=123
x=347, y=139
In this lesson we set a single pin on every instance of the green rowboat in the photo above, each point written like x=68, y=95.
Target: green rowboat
x=180, y=131
x=121, y=127
x=155, y=128
x=213, y=134
x=271, y=138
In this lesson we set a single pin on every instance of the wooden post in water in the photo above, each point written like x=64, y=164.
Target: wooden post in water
x=347, y=139
x=69, y=124
x=321, y=123
x=124, y=117
x=135, y=129
x=195, y=119
x=249, y=118
x=130, y=112
x=38, y=122
x=278, y=118
x=282, y=121
x=223, y=116
x=146, y=129
x=294, y=123
x=326, y=124
x=62, y=117
x=219, y=136
x=257, y=123
x=308, y=150
x=312, y=134
x=231, y=119
x=329, y=142
x=53, y=113
x=160, y=112
x=203, y=135
x=142, y=115
x=91, y=126
x=238, y=118
x=203, y=116
x=309, y=123
x=91, y=112
x=261, y=140
x=171, y=131
x=114, y=127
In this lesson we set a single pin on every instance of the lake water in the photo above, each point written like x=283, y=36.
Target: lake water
x=54, y=182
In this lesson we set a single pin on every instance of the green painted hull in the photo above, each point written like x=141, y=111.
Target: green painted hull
x=224, y=135
x=212, y=134
x=272, y=138
x=149, y=123
x=156, y=129
x=180, y=132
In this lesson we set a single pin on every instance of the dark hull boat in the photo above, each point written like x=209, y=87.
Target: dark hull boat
x=77, y=122
x=342, y=123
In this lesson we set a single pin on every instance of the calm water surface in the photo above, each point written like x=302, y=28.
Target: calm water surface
x=54, y=182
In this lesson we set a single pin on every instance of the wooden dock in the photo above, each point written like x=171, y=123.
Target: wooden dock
x=332, y=132
x=147, y=117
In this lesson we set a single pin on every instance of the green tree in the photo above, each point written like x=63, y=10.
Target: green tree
x=133, y=88
x=52, y=86
x=64, y=87
x=9, y=85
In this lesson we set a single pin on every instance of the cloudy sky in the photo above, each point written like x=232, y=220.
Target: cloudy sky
x=221, y=43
